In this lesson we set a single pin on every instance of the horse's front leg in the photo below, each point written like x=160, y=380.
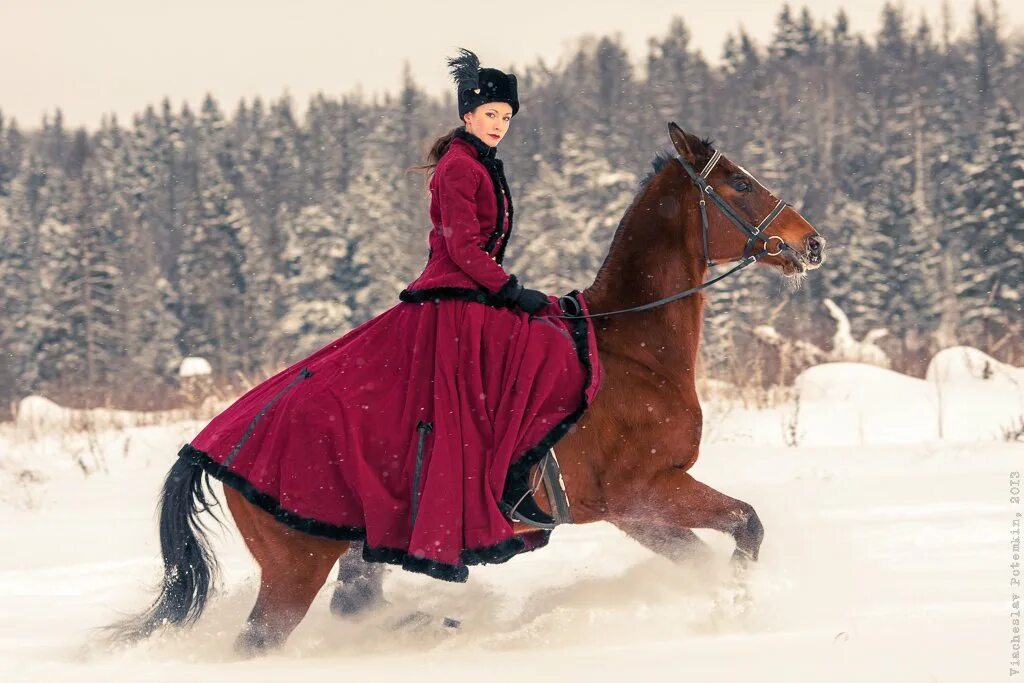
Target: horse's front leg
x=671, y=497
x=674, y=543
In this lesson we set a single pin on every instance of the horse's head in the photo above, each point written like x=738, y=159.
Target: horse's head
x=740, y=217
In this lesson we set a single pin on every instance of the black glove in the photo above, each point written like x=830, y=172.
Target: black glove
x=530, y=300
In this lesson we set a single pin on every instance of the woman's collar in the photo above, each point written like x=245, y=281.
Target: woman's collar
x=483, y=150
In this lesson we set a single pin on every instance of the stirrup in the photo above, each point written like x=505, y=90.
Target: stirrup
x=518, y=504
x=526, y=511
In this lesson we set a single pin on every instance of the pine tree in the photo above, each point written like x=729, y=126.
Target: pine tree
x=382, y=243
x=543, y=235
x=321, y=281
x=224, y=284
x=148, y=328
x=994, y=229
x=14, y=274
x=678, y=82
x=78, y=344
x=12, y=146
x=323, y=151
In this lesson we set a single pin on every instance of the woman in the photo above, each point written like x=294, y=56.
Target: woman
x=468, y=192
x=415, y=430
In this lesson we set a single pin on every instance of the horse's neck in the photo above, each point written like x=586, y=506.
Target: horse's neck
x=646, y=262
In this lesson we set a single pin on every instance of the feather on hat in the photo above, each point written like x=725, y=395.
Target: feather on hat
x=465, y=70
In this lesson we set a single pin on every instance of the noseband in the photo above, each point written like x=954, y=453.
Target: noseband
x=571, y=308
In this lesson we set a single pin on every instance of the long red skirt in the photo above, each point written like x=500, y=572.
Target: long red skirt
x=426, y=405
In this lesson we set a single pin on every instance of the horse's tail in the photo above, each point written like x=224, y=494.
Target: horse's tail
x=189, y=566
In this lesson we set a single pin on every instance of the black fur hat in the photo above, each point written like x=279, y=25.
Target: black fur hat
x=475, y=86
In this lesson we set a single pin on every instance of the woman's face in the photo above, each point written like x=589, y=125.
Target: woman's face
x=489, y=121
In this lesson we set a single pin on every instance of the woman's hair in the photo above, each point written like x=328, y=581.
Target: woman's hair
x=437, y=150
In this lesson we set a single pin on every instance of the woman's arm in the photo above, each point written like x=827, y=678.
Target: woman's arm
x=456, y=193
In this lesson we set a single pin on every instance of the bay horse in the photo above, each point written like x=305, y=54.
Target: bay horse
x=627, y=460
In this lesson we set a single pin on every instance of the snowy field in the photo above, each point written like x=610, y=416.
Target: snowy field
x=886, y=503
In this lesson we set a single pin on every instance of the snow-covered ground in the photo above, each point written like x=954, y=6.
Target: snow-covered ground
x=886, y=557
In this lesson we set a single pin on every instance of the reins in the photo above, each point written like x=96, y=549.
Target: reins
x=571, y=308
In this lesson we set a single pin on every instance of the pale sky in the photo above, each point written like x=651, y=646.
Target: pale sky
x=91, y=57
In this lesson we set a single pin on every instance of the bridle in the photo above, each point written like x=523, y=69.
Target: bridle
x=571, y=307
x=752, y=231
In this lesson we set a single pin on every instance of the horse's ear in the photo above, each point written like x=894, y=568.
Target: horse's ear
x=680, y=142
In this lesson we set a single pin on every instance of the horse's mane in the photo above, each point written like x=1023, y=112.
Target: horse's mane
x=662, y=156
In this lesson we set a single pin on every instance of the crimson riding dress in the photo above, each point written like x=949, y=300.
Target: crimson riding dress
x=402, y=431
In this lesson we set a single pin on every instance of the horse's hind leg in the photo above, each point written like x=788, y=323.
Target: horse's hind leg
x=286, y=592
x=293, y=568
x=360, y=584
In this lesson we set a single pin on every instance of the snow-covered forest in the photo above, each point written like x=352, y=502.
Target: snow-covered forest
x=250, y=233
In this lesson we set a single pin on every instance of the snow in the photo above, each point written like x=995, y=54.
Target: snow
x=39, y=416
x=847, y=348
x=966, y=364
x=611, y=178
x=981, y=397
x=966, y=396
x=874, y=405
x=886, y=557
x=194, y=365
x=41, y=411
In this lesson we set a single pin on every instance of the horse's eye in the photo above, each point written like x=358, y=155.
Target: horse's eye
x=741, y=185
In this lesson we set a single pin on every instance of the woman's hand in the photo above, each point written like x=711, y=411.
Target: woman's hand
x=530, y=300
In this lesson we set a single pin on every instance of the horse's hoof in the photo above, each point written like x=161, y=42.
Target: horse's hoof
x=742, y=558
x=253, y=642
x=354, y=598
